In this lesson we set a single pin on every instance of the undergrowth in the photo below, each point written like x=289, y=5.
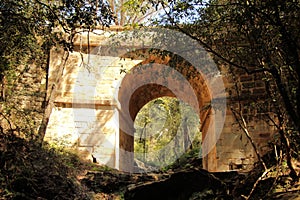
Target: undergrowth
x=29, y=170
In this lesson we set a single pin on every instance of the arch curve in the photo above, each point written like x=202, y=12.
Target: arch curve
x=159, y=76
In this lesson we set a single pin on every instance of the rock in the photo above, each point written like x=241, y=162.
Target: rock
x=114, y=181
x=142, y=167
x=180, y=186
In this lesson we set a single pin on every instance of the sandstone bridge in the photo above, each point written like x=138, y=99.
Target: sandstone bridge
x=96, y=103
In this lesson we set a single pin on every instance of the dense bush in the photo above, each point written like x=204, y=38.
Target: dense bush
x=30, y=171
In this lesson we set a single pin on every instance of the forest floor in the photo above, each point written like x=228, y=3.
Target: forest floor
x=31, y=171
x=108, y=185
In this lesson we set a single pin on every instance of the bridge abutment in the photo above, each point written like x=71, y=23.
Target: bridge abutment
x=96, y=89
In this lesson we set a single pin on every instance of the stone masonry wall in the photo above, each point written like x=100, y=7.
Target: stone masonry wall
x=233, y=147
x=22, y=96
x=86, y=113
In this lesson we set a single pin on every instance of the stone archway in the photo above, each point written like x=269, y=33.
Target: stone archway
x=88, y=102
x=159, y=76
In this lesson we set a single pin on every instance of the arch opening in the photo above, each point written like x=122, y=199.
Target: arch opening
x=167, y=133
x=159, y=76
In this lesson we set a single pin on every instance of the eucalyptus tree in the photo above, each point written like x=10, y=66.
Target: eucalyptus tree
x=261, y=38
x=133, y=12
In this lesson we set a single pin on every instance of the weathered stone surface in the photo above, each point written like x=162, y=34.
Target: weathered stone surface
x=91, y=103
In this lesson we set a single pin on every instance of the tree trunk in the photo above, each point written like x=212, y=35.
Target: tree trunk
x=286, y=142
x=50, y=93
x=186, y=137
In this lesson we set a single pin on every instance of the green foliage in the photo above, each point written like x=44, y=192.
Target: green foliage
x=132, y=13
x=252, y=37
x=29, y=171
x=165, y=129
x=29, y=29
